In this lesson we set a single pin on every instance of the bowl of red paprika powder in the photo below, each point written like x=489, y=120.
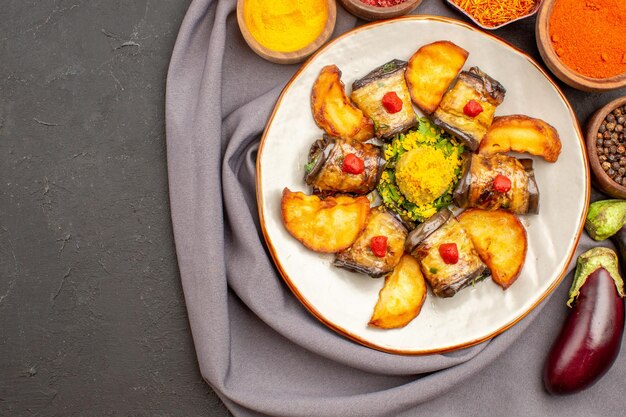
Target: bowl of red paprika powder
x=379, y=9
x=584, y=42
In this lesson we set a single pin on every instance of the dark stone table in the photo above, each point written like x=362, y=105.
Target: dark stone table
x=92, y=316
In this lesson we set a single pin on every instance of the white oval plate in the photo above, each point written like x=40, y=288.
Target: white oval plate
x=343, y=300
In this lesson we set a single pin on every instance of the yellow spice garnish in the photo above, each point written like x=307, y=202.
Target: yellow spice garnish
x=424, y=173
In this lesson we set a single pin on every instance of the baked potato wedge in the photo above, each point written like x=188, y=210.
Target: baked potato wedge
x=519, y=133
x=500, y=240
x=332, y=110
x=329, y=225
x=402, y=296
x=430, y=72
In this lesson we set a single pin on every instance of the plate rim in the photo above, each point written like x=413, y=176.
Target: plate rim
x=311, y=308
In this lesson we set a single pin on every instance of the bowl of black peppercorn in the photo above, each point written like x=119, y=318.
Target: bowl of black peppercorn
x=606, y=148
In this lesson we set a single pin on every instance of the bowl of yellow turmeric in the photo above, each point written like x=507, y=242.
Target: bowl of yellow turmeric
x=286, y=32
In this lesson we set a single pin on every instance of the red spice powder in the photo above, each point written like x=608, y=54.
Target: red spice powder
x=589, y=36
x=383, y=3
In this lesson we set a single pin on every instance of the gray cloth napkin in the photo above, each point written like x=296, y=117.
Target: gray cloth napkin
x=257, y=347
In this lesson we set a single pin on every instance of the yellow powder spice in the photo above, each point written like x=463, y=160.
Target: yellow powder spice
x=424, y=173
x=285, y=25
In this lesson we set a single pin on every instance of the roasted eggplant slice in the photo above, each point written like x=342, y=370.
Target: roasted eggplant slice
x=325, y=171
x=479, y=186
x=445, y=278
x=369, y=91
x=467, y=109
x=361, y=257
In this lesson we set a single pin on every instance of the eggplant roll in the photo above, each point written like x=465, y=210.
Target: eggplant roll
x=324, y=171
x=360, y=257
x=445, y=279
x=451, y=116
x=367, y=95
x=476, y=187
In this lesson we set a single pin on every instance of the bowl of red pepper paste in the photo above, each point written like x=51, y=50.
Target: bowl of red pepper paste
x=379, y=9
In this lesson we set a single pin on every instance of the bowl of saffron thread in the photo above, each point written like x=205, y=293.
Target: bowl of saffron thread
x=494, y=14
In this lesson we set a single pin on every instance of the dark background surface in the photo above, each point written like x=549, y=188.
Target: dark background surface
x=92, y=315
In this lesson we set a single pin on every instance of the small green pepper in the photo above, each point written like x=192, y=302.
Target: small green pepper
x=605, y=218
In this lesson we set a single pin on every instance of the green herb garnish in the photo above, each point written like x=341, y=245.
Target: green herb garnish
x=309, y=167
x=389, y=66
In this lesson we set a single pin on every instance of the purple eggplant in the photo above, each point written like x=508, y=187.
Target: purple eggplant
x=619, y=239
x=591, y=337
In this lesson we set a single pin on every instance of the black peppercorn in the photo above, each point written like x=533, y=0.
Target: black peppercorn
x=611, y=145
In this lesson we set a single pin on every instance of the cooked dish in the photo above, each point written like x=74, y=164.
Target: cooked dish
x=498, y=182
x=467, y=109
x=446, y=254
x=379, y=248
x=519, y=133
x=327, y=226
x=430, y=72
x=332, y=110
x=376, y=152
x=423, y=167
x=401, y=298
x=500, y=240
x=384, y=97
x=343, y=166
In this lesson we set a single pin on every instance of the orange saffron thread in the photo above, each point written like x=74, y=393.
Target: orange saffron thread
x=492, y=13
